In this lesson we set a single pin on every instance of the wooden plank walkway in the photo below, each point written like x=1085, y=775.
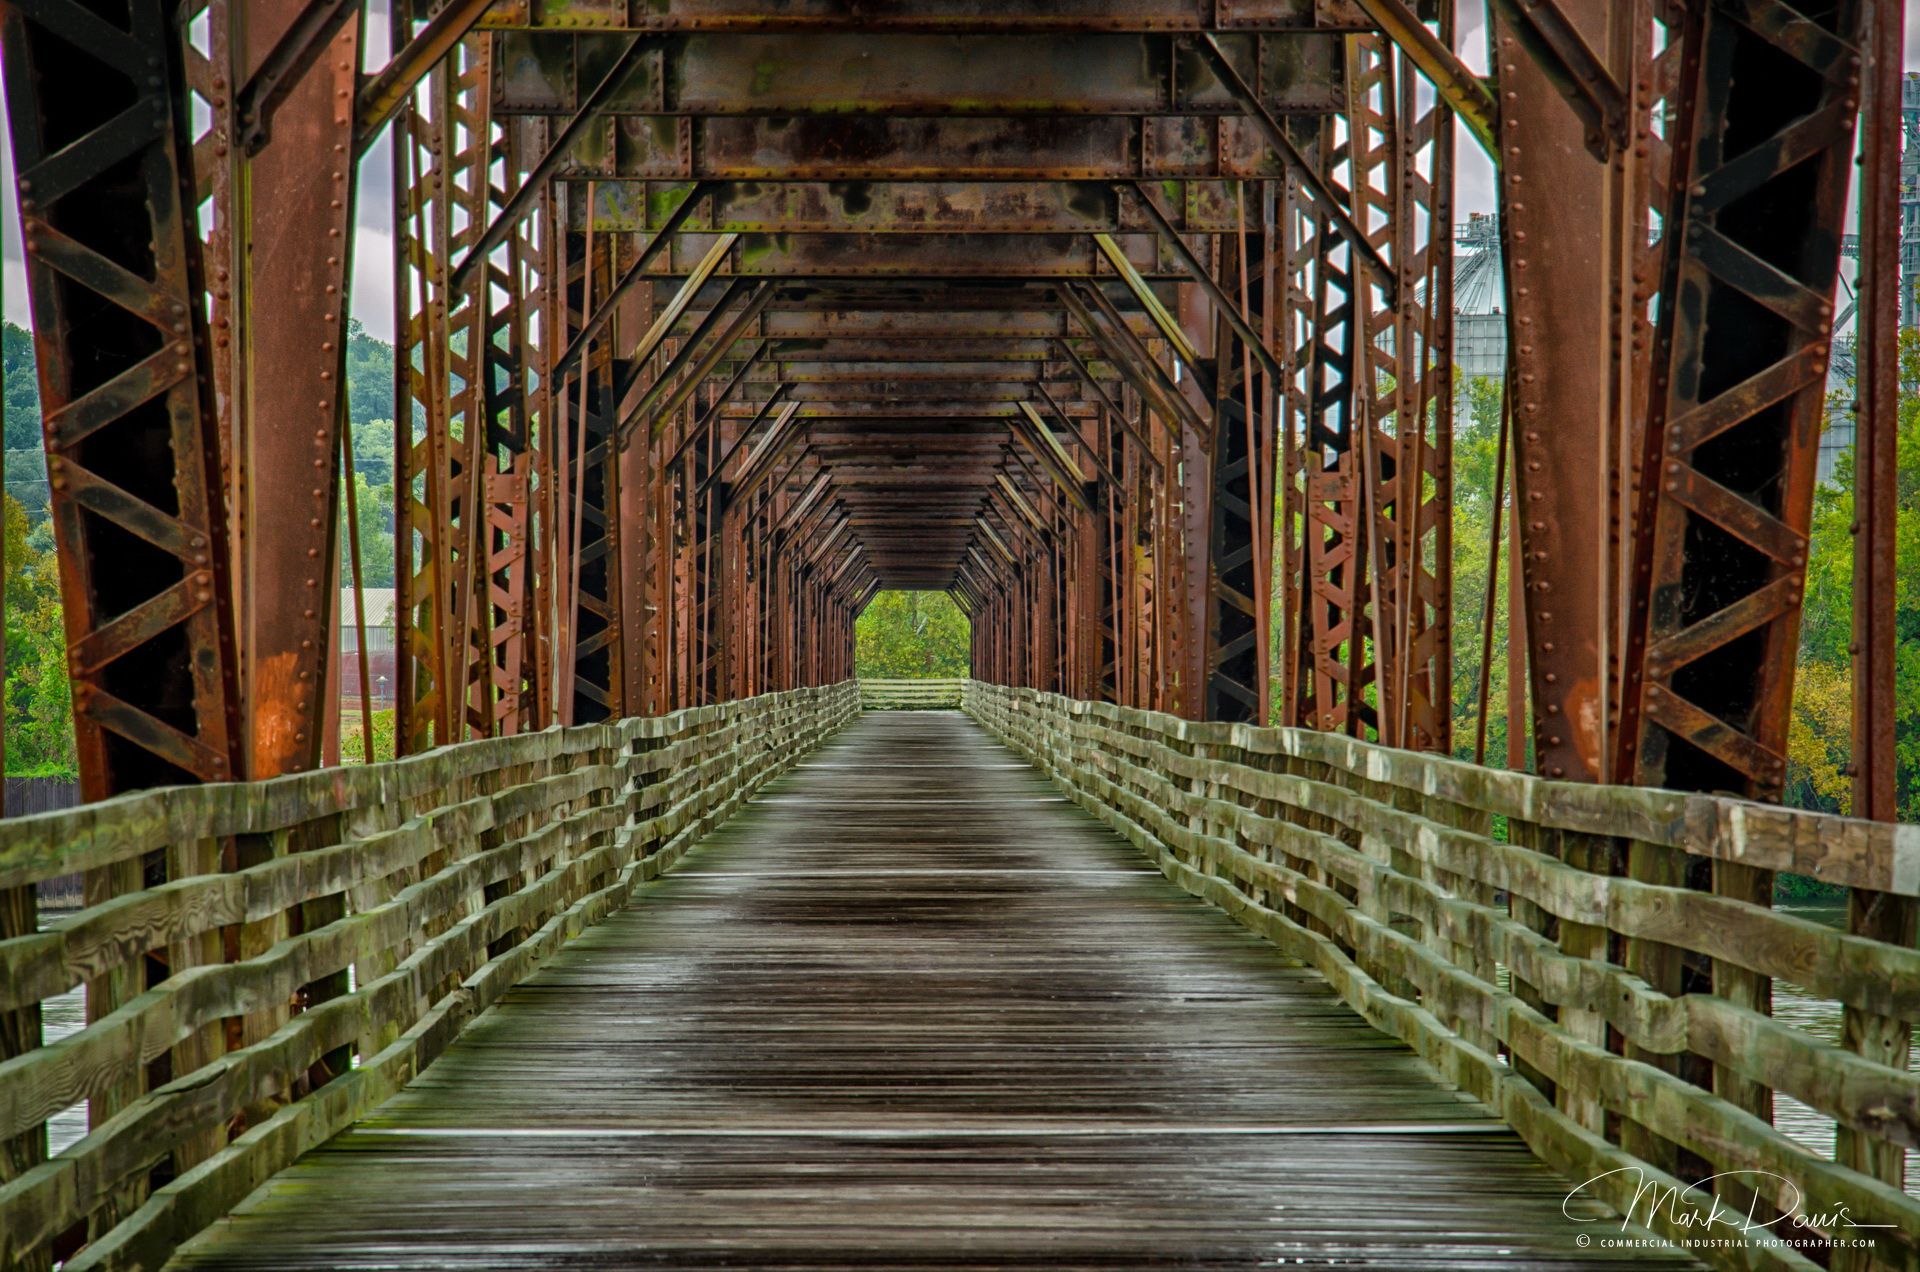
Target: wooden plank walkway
x=913, y=1009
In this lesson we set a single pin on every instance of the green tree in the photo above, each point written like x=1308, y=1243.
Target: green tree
x=369, y=384
x=39, y=698
x=22, y=388
x=911, y=636
x=1476, y=454
x=1820, y=740
x=375, y=505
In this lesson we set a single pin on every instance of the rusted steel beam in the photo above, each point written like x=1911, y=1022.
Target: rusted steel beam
x=1877, y=915
x=930, y=148
x=633, y=205
x=1732, y=436
x=1297, y=164
x=500, y=697
x=1330, y=647
x=683, y=298
x=1130, y=356
x=881, y=320
x=415, y=55
x=692, y=345
x=1222, y=303
x=1405, y=388
x=1555, y=211
x=596, y=323
x=885, y=207
x=1033, y=17
x=1164, y=322
x=101, y=142
x=1561, y=49
x=717, y=351
x=296, y=249
x=301, y=43
x=533, y=185
x=710, y=414
x=1101, y=393
x=908, y=256
x=886, y=73
x=1053, y=459
x=1462, y=90
x=781, y=435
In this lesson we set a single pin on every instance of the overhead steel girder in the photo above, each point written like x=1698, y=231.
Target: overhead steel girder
x=1031, y=16
x=796, y=317
x=909, y=256
x=878, y=73
x=896, y=207
x=923, y=363
x=101, y=143
x=811, y=368
x=930, y=148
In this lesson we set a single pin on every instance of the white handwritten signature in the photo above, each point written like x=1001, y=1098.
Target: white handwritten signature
x=1687, y=1206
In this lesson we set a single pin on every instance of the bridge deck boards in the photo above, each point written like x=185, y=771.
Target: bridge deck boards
x=911, y=1008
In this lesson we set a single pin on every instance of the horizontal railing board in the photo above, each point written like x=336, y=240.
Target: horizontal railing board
x=574, y=818
x=1375, y=867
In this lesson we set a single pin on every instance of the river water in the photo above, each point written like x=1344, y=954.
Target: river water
x=1792, y=1004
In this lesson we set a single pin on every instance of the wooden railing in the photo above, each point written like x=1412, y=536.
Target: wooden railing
x=911, y=695
x=1593, y=963
x=262, y=963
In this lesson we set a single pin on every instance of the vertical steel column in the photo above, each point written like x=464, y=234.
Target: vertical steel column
x=1401, y=168
x=1332, y=645
x=1552, y=218
x=505, y=294
x=101, y=137
x=1882, y=916
x=441, y=150
x=292, y=222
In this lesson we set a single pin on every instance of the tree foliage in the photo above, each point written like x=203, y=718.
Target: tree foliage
x=39, y=697
x=911, y=636
x=1820, y=741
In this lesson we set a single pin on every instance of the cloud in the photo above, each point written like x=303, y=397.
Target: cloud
x=13, y=259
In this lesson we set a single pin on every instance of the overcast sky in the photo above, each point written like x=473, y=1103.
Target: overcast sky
x=373, y=242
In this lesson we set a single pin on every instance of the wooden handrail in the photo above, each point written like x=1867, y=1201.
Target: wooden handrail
x=1481, y=917
x=318, y=940
x=910, y=695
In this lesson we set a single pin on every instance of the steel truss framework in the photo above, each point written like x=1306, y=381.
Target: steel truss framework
x=707, y=331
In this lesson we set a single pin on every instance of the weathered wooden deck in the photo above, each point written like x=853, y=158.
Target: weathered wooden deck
x=914, y=1009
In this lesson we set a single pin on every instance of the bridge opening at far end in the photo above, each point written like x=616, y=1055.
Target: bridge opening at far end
x=912, y=650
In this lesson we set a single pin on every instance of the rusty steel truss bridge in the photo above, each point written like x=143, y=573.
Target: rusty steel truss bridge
x=1125, y=322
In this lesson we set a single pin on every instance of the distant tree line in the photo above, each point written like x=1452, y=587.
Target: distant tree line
x=911, y=636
